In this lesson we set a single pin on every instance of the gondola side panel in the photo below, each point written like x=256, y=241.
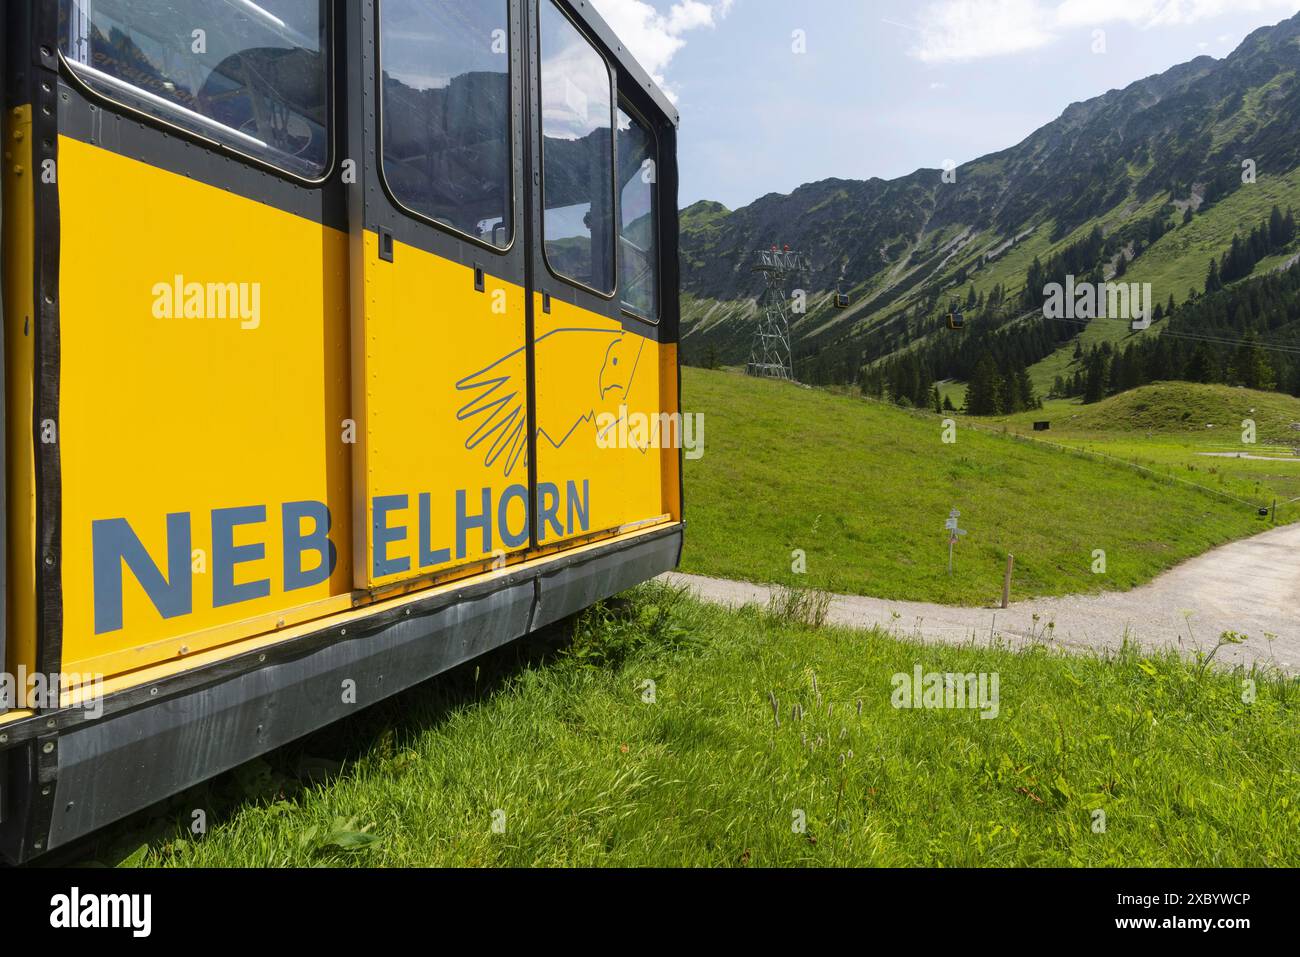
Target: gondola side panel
x=206, y=481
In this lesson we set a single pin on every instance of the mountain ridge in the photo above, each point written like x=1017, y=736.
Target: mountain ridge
x=1172, y=140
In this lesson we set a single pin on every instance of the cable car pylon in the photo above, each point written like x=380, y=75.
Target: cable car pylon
x=770, y=355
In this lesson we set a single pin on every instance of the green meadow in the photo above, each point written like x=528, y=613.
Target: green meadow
x=862, y=490
x=1189, y=433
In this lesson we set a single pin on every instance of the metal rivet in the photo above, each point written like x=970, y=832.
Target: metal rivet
x=49, y=723
x=45, y=790
x=49, y=747
x=152, y=692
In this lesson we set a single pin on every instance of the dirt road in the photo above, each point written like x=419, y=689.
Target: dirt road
x=1251, y=587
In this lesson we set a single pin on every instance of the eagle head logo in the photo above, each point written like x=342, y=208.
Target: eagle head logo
x=496, y=409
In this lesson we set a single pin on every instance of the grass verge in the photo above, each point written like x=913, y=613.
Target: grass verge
x=583, y=762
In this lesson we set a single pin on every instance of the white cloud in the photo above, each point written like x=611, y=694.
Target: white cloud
x=952, y=30
x=689, y=15
x=1152, y=13
x=654, y=38
x=1089, y=13
x=972, y=29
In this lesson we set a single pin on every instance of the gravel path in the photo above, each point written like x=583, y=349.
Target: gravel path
x=1251, y=587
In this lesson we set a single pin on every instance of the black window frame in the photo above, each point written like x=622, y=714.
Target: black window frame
x=513, y=128
x=536, y=103
x=622, y=103
x=95, y=95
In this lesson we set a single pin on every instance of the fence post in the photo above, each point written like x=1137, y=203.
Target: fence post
x=1006, y=580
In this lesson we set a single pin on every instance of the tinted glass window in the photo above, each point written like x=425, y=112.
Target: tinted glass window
x=250, y=75
x=638, y=258
x=577, y=154
x=446, y=112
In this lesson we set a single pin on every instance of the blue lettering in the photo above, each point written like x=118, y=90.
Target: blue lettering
x=305, y=528
x=113, y=542
x=550, y=505
x=295, y=543
x=381, y=536
x=508, y=538
x=226, y=555
x=464, y=522
x=428, y=557
x=581, y=510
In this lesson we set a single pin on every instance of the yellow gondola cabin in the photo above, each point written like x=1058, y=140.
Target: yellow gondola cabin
x=312, y=311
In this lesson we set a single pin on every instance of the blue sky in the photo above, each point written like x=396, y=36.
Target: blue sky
x=888, y=86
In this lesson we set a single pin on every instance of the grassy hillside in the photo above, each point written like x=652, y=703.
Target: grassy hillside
x=582, y=770
x=864, y=488
x=1179, y=261
x=1185, y=408
x=1188, y=432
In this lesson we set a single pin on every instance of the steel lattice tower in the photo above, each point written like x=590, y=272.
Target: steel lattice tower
x=770, y=356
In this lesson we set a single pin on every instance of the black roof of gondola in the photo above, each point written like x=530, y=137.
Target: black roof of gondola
x=614, y=48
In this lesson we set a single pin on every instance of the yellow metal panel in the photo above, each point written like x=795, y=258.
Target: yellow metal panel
x=670, y=462
x=19, y=265
x=220, y=423
x=596, y=385
x=186, y=439
x=445, y=381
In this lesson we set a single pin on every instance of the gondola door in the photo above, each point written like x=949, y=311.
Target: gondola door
x=440, y=377
x=603, y=379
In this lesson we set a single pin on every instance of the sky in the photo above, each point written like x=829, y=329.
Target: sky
x=774, y=94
